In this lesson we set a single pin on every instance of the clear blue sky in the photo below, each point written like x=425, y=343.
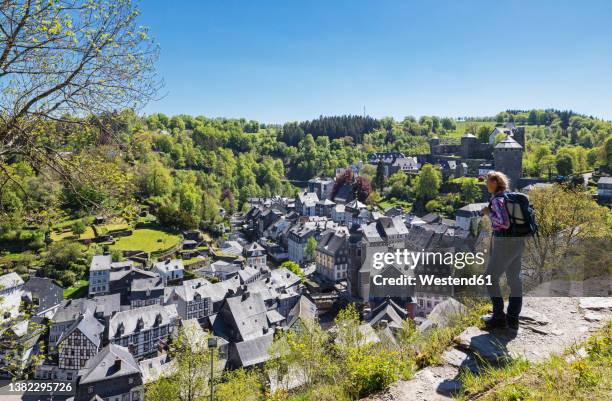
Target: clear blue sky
x=277, y=61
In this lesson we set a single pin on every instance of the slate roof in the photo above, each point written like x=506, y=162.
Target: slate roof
x=147, y=315
x=254, y=351
x=508, y=143
x=246, y=273
x=107, y=305
x=605, y=180
x=10, y=280
x=283, y=278
x=249, y=313
x=232, y=248
x=167, y=266
x=144, y=284
x=89, y=326
x=303, y=309
x=48, y=293
x=330, y=242
x=71, y=309
x=116, y=275
x=389, y=311
x=222, y=266
x=471, y=210
x=102, y=366
x=274, y=317
x=100, y=262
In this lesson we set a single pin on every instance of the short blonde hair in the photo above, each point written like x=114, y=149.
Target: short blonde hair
x=503, y=183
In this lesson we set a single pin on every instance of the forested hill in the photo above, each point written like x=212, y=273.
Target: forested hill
x=333, y=127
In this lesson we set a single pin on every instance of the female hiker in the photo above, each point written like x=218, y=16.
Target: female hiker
x=505, y=257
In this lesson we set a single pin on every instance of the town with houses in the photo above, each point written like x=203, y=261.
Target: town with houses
x=114, y=339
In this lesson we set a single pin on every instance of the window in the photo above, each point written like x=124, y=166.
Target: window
x=131, y=380
x=90, y=389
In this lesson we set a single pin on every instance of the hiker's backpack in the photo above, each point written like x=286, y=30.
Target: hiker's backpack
x=521, y=214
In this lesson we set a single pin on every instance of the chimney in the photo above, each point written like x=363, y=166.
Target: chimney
x=410, y=310
x=245, y=295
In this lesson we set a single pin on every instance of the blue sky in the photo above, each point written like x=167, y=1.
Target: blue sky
x=277, y=61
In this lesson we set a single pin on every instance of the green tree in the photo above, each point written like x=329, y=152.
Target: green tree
x=564, y=164
x=311, y=248
x=190, y=375
x=379, y=180
x=427, y=183
x=293, y=267
x=68, y=56
x=78, y=227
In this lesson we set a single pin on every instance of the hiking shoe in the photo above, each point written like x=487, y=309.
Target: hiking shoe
x=492, y=322
x=512, y=322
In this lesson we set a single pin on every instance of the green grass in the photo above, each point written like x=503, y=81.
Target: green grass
x=390, y=202
x=77, y=290
x=146, y=239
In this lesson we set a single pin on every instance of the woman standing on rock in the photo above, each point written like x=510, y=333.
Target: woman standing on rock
x=506, y=253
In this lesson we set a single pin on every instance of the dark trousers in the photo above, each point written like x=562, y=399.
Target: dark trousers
x=506, y=254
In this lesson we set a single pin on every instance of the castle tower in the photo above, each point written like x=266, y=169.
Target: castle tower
x=508, y=158
x=433, y=142
x=518, y=134
x=469, y=144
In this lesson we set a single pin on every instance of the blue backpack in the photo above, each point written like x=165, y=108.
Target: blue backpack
x=521, y=214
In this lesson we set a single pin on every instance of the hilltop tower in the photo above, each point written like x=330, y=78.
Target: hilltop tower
x=508, y=158
x=469, y=146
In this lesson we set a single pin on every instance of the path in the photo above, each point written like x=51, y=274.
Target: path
x=548, y=325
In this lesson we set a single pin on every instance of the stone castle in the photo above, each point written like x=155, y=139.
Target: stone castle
x=471, y=157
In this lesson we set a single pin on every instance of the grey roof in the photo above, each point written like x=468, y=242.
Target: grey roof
x=119, y=274
x=89, y=326
x=249, y=313
x=389, y=311
x=508, y=143
x=169, y=265
x=102, y=366
x=605, y=180
x=274, y=317
x=48, y=293
x=331, y=242
x=254, y=351
x=107, y=305
x=282, y=278
x=71, y=309
x=147, y=315
x=469, y=135
x=355, y=204
x=10, y=280
x=474, y=207
x=246, y=273
x=144, y=284
x=303, y=309
x=100, y=262
x=221, y=266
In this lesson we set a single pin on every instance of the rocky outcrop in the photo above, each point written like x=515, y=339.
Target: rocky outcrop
x=547, y=326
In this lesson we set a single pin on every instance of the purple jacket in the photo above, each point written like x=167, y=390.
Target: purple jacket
x=499, y=214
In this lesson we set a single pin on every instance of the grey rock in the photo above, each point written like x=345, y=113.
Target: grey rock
x=445, y=313
x=488, y=346
x=596, y=303
x=591, y=316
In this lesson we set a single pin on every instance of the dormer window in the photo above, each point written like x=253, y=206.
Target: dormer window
x=158, y=319
x=139, y=324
